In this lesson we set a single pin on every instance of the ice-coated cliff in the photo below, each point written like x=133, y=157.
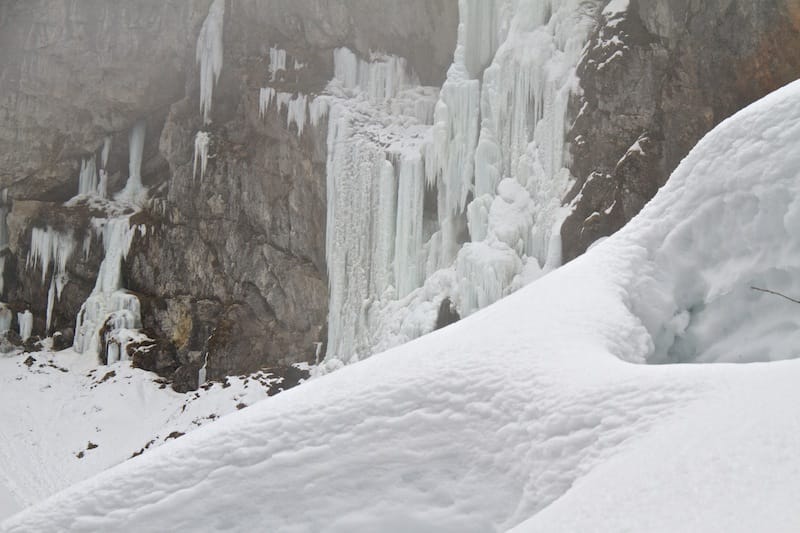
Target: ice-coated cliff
x=342, y=180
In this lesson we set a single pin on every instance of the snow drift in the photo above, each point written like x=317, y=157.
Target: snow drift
x=528, y=413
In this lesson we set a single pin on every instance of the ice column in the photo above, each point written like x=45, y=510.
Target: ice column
x=209, y=55
x=277, y=62
x=25, y=320
x=109, y=304
x=5, y=205
x=408, y=257
x=381, y=78
x=6, y=316
x=51, y=248
x=134, y=191
x=201, y=143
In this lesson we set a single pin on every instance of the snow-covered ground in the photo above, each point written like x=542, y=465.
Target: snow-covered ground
x=63, y=419
x=530, y=413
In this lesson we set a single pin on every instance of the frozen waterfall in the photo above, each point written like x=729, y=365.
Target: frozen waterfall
x=209, y=55
x=460, y=197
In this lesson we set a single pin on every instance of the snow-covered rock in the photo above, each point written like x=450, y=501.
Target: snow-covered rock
x=529, y=411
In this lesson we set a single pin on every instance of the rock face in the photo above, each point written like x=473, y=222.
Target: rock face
x=231, y=269
x=655, y=79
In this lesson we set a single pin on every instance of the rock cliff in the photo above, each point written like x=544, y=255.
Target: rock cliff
x=228, y=261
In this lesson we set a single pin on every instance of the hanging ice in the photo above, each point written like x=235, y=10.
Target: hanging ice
x=88, y=181
x=375, y=161
x=494, y=157
x=265, y=98
x=25, y=320
x=380, y=79
x=209, y=55
x=201, y=143
x=50, y=250
x=5, y=206
x=134, y=191
x=277, y=62
x=6, y=316
x=109, y=304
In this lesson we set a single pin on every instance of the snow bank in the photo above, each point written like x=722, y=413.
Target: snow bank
x=528, y=408
x=53, y=408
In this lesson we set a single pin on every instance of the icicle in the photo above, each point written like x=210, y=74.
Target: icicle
x=109, y=303
x=87, y=180
x=277, y=62
x=318, y=108
x=201, y=143
x=209, y=55
x=265, y=97
x=105, y=152
x=25, y=320
x=5, y=206
x=134, y=191
x=408, y=266
x=202, y=373
x=297, y=111
x=49, y=246
x=381, y=78
x=6, y=316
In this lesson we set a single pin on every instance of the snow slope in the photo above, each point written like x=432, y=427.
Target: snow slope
x=53, y=409
x=529, y=413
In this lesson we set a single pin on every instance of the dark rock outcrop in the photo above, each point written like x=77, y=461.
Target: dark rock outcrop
x=654, y=81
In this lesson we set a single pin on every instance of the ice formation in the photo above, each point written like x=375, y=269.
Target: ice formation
x=377, y=128
x=277, y=62
x=50, y=250
x=472, y=184
x=201, y=143
x=209, y=55
x=109, y=306
x=107, y=320
x=6, y=316
x=93, y=181
x=525, y=417
x=25, y=321
x=5, y=206
x=134, y=191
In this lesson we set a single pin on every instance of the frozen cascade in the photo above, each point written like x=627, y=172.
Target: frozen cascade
x=25, y=320
x=495, y=156
x=376, y=133
x=201, y=143
x=108, y=303
x=5, y=207
x=6, y=316
x=50, y=250
x=277, y=62
x=380, y=79
x=134, y=191
x=87, y=180
x=265, y=98
x=93, y=181
x=209, y=55
x=106, y=151
x=408, y=254
x=519, y=146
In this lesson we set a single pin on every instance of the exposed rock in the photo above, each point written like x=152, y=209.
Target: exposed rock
x=654, y=81
x=447, y=314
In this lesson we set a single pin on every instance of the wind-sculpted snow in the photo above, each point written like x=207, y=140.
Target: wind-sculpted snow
x=527, y=411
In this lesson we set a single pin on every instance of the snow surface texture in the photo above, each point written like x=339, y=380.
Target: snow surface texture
x=489, y=152
x=528, y=413
x=53, y=409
